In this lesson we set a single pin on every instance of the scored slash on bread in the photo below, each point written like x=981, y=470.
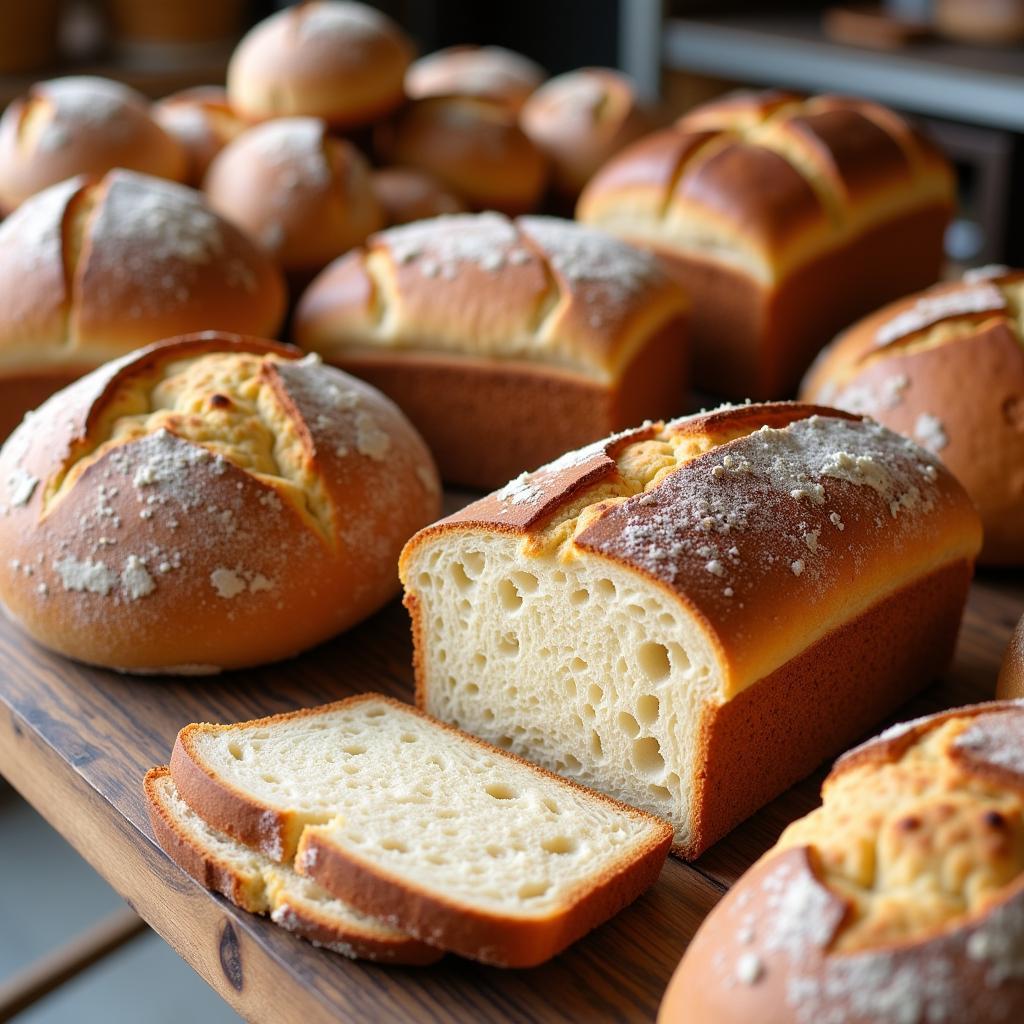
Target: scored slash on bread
x=255, y=883
x=434, y=832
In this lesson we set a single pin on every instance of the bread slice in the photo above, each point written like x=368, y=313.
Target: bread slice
x=454, y=841
x=255, y=883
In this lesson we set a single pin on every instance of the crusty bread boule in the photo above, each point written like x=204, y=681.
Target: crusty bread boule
x=484, y=72
x=304, y=195
x=91, y=270
x=203, y=122
x=1011, y=675
x=80, y=125
x=342, y=61
x=207, y=503
x=405, y=195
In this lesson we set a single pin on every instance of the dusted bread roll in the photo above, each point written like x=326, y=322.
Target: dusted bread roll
x=405, y=195
x=305, y=196
x=89, y=271
x=1011, y=676
x=946, y=367
x=80, y=125
x=899, y=901
x=474, y=147
x=785, y=218
x=208, y=503
x=581, y=119
x=483, y=72
x=341, y=61
x=505, y=342
x=691, y=616
x=202, y=121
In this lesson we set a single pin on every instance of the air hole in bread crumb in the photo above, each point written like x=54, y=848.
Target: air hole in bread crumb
x=654, y=661
x=500, y=791
x=488, y=715
x=408, y=737
x=647, y=756
x=509, y=644
x=660, y=792
x=559, y=577
x=272, y=779
x=596, y=749
x=636, y=610
x=510, y=598
x=526, y=582
x=472, y=689
x=628, y=724
x=572, y=764
x=235, y=751
x=504, y=742
x=436, y=760
x=442, y=655
x=376, y=713
x=577, y=665
x=559, y=844
x=424, y=580
x=550, y=805
x=493, y=850
x=394, y=844
x=436, y=858
x=580, y=596
x=595, y=694
x=479, y=660
x=474, y=562
x=648, y=707
x=569, y=685
x=354, y=748
x=679, y=658
x=589, y=713
x=532, y=890
x=606, y=588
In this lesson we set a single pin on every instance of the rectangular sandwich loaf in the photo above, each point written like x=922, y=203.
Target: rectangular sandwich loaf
x=690, y=616
x=785, y=219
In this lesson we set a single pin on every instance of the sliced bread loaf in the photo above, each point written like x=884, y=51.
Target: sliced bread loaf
x=255, y=883
x=454, y=841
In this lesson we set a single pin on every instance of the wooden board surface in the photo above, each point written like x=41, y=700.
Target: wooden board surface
x=76, y=742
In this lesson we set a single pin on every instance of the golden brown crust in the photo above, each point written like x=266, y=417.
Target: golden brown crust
x=186, y=556
x=203, y=122
x=341, y=61
x=80, y=125
x=1011, y=675
x=484, y=72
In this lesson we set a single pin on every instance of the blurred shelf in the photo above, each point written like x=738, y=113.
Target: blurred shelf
x=975, y=85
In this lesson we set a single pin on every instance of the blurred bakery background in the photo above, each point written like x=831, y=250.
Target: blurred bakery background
x=69, y=950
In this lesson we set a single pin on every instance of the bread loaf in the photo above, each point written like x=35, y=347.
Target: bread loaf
x=946, y=367
x=504, y=341
x=338, y=60
x=899, y=901
x=405, y=195
x=692, y=615
x=785, y=218
x=80, y=125
x=207, y=503
x=202, y=121
x=91, y=270
x=1011, y=676
x=483, y=72
x=305, y=196
x=449, y=839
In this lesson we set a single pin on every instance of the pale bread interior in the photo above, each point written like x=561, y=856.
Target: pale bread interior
x=432, y=808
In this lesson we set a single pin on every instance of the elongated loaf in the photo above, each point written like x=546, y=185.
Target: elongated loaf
x=899, y=901
x=946, y=367
x=254, y=882
x=449, y=839
x=692, y=615
x=785, y=218
x=504, y=341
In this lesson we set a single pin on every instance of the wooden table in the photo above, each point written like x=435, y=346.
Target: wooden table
x=76, y=741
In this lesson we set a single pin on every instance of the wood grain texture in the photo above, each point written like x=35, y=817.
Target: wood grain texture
x=77, y=741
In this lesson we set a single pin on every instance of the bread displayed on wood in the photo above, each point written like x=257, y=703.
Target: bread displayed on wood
x=208, y=503
x=305, y=196
x=946, y=367
x=254, y=882
x=483, y=72
x=405, y=195
x=505, y=342
x=785, y=218
x=451, y=840
x=1011, y=675
x=690, y=616
x=899, y=901
x=335, y=59
x=473, y=146
x=91, y=270
x=80, y=125
x=580, y=120
x=203, y=122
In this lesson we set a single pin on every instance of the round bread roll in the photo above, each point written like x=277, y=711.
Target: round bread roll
x=344, y=62
x=580, y=120
x=202, y=121
x=1011, y=675
x=899, y=901
x=405, y=195
x=483, y=72
x=304, y=195
x=946, y=367
x=91, y=270
x=207, y=503
x=472, y=146
x=80, y=125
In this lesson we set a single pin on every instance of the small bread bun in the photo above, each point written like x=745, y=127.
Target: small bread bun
x=80, y=125
x=304, y=195
x=342, y=61
x=900, y=900
x=474, y=147
x=207, y=503
x=405, y=195
x=580, y=120
x=202, y=121
x=482, y=72
x=946, y=367
x=1011, y=675
x=91, y=270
